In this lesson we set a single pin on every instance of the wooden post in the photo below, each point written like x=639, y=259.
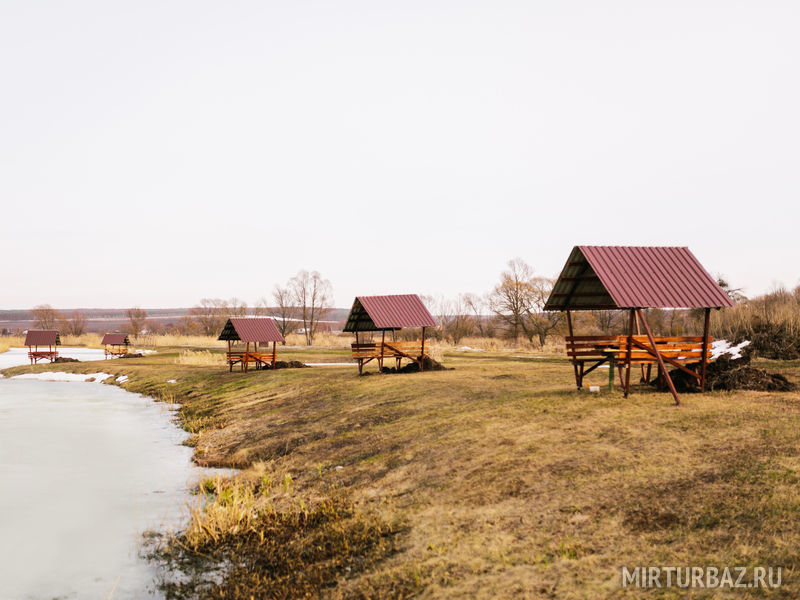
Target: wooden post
x=380, y=360
x=422, y=358
x=705, y=350
x=628, y=355
x=578, y=378
x=661, y=366
x=246, y=352
x=274, y=355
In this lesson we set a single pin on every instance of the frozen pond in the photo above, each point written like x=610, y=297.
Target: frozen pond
x=19, y=356
x=85, y=470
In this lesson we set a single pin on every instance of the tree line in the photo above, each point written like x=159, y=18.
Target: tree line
x=512, y=309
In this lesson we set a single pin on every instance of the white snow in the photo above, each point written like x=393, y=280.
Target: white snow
x=720, y=348
x=61, y=376
x=172, y=381
x=122, y=379
x=470, y=349
x=140, y=351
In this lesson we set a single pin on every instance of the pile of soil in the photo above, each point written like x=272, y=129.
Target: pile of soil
x=63, y=359
x=291, y=364
x=412, y=367
x=132, y=355
x=726, y=374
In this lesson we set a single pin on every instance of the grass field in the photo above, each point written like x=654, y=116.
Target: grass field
x=494, y=479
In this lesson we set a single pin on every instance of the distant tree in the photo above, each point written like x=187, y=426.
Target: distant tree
x=210, y=315
x=285, y=312
x=313, y=296
x=476, y=306
x=606, y=320
x=455, y=322
x=75, y=324
x=237, y=308
x=45, y=316
x=518, y=302
x=137, y=318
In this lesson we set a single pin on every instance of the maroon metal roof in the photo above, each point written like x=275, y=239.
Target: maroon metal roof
x=601, y=277
x=42, y=337
x=370, y=313
x=251, y=329
x=115, y=339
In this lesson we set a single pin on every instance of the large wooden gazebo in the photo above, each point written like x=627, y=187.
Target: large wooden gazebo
x=115, y=344
x=244, y=331
x=633, y=278
x=42, y=337
x=388, y=313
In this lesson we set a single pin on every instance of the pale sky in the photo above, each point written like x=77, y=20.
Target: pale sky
x=154, y=153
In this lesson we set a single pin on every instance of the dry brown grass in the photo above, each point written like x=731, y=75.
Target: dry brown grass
x=504, y=481
x=9, y=341
x=200, y=357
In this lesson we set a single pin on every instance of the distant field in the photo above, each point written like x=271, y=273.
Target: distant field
x=493, y=480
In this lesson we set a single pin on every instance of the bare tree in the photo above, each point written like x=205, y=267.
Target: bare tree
x=210, y=315
x=519, y=299
x=455, y=322
x=137, y=317
x=75, y=324
x=237, y=308
x=312, y=295
x=475, y=306
x=285, y=312
x=511, y=298
x=45, y=316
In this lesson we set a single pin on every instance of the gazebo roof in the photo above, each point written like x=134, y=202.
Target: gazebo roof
x=42, y=337
x=616, y=277
x=251, y=329
x=116, y=339
x=375, y=313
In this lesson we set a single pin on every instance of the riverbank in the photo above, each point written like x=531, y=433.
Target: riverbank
x=494, y=479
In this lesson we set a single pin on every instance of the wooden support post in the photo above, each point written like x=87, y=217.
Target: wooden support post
x=380, y=360
x=628, y=354
x=274, y=355
x=661, y=366
x=578, y=378
x=704, y=363
x=422, y=358
x=611, y=374
x=244, y=358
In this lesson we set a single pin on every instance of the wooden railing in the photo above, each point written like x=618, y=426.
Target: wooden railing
x=260, y=360
x=380, y=351
x=678, y=351
x=36, y=355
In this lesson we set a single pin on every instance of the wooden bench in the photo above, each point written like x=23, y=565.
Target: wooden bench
x=36, y=355
x=259, y=359
x=365, y=352
x=678, y=351
x=115, y=351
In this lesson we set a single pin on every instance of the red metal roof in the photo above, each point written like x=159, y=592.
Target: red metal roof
x=115, y=339
x=251, y=329
x=42, y=337
x=370, y=313
x=598, y=277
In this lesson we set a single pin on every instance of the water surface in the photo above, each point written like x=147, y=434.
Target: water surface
x=85, y=470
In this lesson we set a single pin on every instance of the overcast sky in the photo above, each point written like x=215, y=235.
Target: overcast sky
x=154, y=153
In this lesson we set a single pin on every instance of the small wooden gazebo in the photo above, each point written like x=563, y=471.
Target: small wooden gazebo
x=115, y=344
x=388, y=313
x=42, y=337
x=632, y=278
x=258, y=331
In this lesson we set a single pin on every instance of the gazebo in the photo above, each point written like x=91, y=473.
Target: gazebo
x=388, y=313
x=633, y=278
x=42, y=337
x=115, y=344
x=259, y=331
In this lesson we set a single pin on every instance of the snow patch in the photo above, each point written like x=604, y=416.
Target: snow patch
x=720, y=348
x=122, y=379
x=61, y=376
x=172, y=381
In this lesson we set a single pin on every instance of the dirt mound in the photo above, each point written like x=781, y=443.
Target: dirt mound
x=132, y=355
x=65, y=359
x=291, y=364
x=726, y=374
x=412, y=367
